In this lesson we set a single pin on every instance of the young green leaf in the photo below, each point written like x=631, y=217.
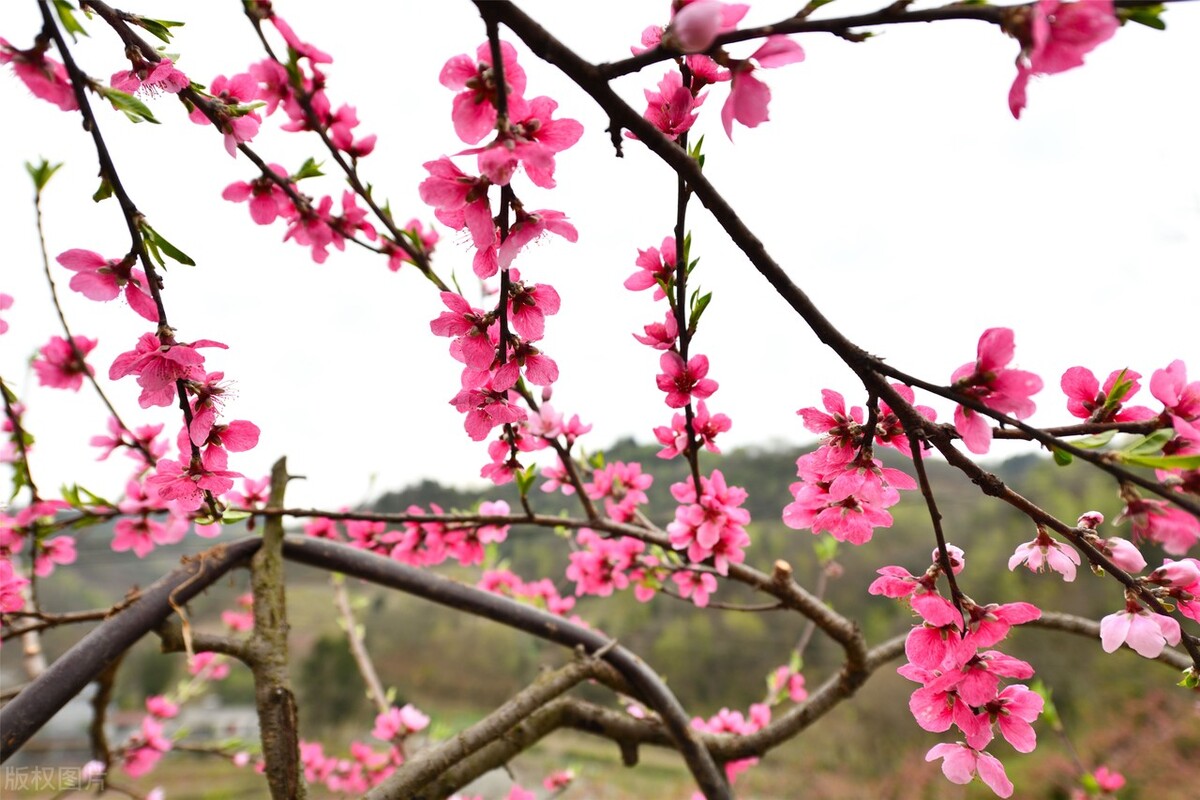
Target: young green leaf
x=126, y=103
x=103, y=192
x=66, y=15
x=309, y=169
x=155, y=243
x=160, y=28
x=1148, y=445
x=1094, y=441
x=1163, y=462
x=41, y=174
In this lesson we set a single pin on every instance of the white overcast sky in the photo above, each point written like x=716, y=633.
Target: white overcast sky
x=891, y=182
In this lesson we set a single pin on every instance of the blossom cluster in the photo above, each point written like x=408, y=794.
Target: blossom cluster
x=497, y=346
x=418, y=544
x=694, y=26
x=949, y=655
x=843, y=489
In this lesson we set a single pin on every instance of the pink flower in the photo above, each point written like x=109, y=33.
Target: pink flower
x=711, y=526
x=11, y=586
x=1045, y=551
x=45, y=77
x=59, y=550
x=146, y=748
x=474, y=108
x=844, y=495
x=341, y=133
x=1108, y=780
x=158, y=366
x=1183, y=581
x=1170, y=387
x=673, y=108
x=210, y=665
x=421, y=240
x=962, y=763
x=531, y=138
x=268, y=200
x=694, y=26
x=658, y=269
x=235, y=117
x=557, y=781
x=1123, y=553
x=161, y=707
x=622, y=487
x=1086, y=399
x=705, y=427
x=529, y=226
x=991, y=383
x=1057, y=38
x=184, y=484
x=786, y=679
x=1145, y=632
x=748, y=96
x=138, y=531
x=153, y=78
x=1014, y=709
x=989, y=624
x=238, y=620
x=1172, y=527
x=696, y=585
x=682, y=381
x=601, y=565
x=6, y=301
x=254, y=494
x=57, y=365
x=399, y=722
x=103, y=279
x=529, y=305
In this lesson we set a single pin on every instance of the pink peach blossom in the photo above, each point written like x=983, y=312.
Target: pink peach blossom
x=1145, y=632
x=748, y=96
x=989, y=381
x=101, y=279
x=58, y=366
x=961, y=764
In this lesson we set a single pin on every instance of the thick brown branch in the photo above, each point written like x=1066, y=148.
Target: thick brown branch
x=433, y=761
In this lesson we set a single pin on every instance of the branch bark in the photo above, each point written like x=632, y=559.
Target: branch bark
x=277, y=714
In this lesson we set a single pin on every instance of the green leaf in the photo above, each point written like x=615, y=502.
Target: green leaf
x=160, y=28
x=1095, y=440
x=1061, y=457
x=126, y=103
x=695, y=152
x=1191, y=679
x=94, y=499
x=155, y=242
x=66, y=15
x=230, y=517
x=104, y=192
x=41, y=174
x=597, y=460
x=71, y=495
x=826, y=549
x=1150, y=16
x=1148, y=445
x=309, y=169
x=1049, y=709
x=1164, y=462
x=698, y=305
x=525, y=479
